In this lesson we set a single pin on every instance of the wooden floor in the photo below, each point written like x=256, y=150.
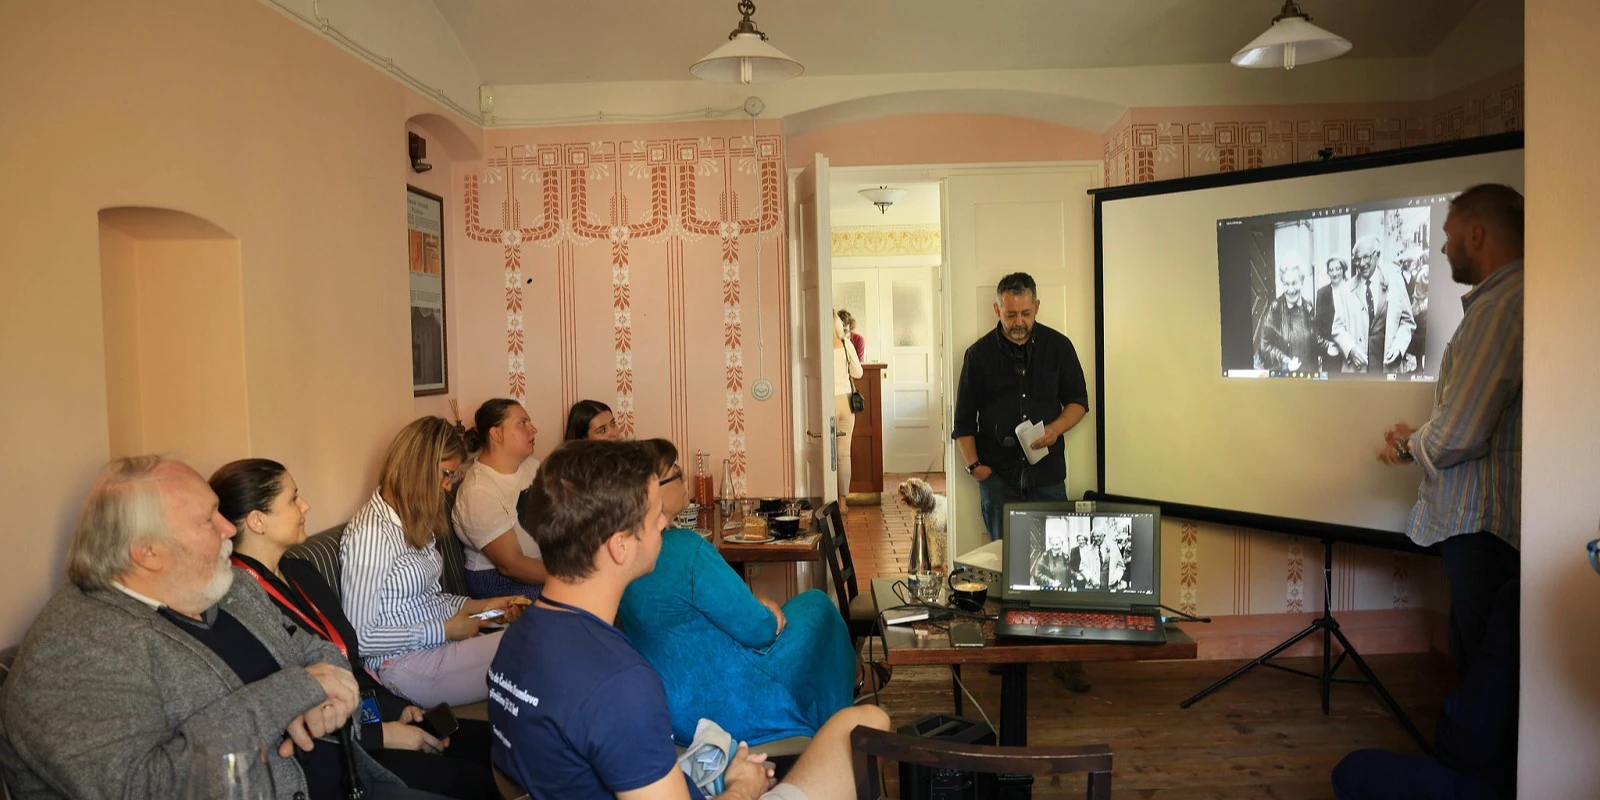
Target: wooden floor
x=1263, y=736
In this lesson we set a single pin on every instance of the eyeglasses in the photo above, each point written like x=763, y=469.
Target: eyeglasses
x=453, y=475
x=677, y=475
x=1594, y=554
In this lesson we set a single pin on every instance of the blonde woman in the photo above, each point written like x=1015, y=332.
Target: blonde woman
x=845, y=367
x=421, y=642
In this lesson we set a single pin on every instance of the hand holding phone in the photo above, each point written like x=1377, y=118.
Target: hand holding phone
x=440, y=721
x=493, y=615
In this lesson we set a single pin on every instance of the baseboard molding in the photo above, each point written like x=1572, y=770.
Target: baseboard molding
x=1378, y=632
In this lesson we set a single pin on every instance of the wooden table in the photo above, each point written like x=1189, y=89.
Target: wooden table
x=806, y=547
x=902, y=646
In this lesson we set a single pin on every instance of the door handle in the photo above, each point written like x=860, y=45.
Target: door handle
x=813, y=435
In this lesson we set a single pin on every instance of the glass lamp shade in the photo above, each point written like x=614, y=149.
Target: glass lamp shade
x=1289, y=42
x=746, y=58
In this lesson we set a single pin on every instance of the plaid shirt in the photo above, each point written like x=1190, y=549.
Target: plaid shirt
x=1471, y=449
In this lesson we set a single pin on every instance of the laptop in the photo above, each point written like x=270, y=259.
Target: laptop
x=1081, y=572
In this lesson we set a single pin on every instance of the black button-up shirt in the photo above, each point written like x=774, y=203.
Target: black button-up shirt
x=1002, y=383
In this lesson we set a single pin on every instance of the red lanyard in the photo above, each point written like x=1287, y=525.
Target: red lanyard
x=326, y=630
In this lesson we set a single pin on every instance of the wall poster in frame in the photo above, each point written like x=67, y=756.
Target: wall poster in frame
x=430, y=372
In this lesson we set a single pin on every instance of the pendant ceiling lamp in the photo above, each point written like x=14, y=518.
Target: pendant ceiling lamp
x=746, y=58
x=883, y=197
x=1292, y=40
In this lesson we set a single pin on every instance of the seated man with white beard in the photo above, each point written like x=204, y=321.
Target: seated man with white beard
x=153, y=654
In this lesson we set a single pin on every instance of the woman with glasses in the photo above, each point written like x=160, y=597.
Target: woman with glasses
x=501, y=558
x=264, y=504
x=761, y=671
x=421, y=642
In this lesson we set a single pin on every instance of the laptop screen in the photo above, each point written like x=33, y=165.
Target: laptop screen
x=1057, y=555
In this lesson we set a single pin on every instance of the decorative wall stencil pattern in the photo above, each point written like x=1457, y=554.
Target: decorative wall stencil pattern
x=1402, y=580
x=887, y=240
x=512, y=233
x=1188, y=567
x=1153, y=144
x=1295, y=584
x=647, y=203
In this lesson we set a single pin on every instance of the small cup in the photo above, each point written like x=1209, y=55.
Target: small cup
x=786, y=527
x=968, y=594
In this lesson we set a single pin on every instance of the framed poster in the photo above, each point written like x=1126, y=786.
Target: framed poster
x=430, y=372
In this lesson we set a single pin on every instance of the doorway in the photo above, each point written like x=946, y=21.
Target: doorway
x=887, y=276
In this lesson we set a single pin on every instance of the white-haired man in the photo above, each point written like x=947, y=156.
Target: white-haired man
x=153, y=655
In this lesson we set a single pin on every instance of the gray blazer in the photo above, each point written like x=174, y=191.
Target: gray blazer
x=110, y=699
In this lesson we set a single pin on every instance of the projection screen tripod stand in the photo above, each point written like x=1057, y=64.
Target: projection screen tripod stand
x=1330, y=631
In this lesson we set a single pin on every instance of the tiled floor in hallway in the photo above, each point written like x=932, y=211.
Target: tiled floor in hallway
x=880, y=536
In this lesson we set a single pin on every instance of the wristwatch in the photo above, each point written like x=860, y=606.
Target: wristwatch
x=1402, y=448
x=973, y=466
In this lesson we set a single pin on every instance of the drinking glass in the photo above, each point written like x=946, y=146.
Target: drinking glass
x=218, y=772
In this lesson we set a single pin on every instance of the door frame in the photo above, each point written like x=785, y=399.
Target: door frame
x=950, y=359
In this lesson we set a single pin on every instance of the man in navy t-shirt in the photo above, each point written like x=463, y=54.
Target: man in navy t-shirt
x=577, y=713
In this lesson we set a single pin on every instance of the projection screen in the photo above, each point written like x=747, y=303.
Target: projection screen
x=1179, y=320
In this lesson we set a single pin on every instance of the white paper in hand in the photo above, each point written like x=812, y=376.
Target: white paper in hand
x=1027, y=434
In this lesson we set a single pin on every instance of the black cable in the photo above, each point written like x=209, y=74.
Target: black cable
x=1183, y=615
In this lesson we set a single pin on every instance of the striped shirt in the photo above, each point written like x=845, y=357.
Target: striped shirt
x=391, y=590
x=1471, y=449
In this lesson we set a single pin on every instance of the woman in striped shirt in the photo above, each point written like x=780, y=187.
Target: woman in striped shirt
x=422, y=643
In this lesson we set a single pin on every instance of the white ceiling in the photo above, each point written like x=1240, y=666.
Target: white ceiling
x=523, y=42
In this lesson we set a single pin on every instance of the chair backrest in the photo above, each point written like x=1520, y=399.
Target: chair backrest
x=841, y=544
x=323, y=551
x=843, y=580
x=870, y=744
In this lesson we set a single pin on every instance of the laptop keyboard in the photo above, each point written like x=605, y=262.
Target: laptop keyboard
x=1081, y=619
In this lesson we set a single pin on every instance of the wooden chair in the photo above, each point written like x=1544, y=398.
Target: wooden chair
x=869, y=745
x=860, y=615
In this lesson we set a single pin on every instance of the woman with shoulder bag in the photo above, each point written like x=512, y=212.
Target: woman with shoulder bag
x=847, y=402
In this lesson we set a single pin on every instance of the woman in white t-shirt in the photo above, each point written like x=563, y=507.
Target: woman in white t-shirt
x=501, y=558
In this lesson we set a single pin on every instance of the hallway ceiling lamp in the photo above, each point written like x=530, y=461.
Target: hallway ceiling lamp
x=1292, y=40
x=883, y=197
x=746, y=58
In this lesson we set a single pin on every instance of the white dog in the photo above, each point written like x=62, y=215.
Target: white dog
x=917, y=495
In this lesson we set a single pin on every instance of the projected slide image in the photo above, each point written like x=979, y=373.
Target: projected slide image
x=1331, y=294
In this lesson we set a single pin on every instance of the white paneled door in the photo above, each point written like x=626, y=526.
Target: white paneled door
x=1036, y=220
x=809, y=230
x=913, y=427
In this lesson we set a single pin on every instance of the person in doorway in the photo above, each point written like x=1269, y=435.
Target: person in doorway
x=1020, y=371
x=856, y=338
x=1469, y=505
x=846, y=368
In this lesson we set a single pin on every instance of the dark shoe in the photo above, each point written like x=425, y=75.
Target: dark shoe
x=1072, y=676
x=872, y=680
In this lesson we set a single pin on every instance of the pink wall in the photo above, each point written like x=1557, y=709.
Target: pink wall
x=944, y=139
x=619, y=264
x=1152, y=144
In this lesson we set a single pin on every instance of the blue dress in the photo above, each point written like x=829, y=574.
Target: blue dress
x=697, y=623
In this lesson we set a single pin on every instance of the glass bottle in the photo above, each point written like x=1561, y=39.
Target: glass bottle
x=727, y=487
x=703, y=495
x=919, y=570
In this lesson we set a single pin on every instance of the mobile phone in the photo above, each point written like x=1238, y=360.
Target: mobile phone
x=492, y=615
x=966, y=634
x=440, y=721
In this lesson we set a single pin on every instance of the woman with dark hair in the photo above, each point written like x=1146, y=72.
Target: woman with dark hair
x=422, y=642
x=591, y=419
x=501, y=558
x=855, y=337
x=761, y=671
x=262, y=501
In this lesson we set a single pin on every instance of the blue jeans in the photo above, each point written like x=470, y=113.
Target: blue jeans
x=994, y=492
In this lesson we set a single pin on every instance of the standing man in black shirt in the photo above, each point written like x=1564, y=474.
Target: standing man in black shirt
x=1019, y=371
